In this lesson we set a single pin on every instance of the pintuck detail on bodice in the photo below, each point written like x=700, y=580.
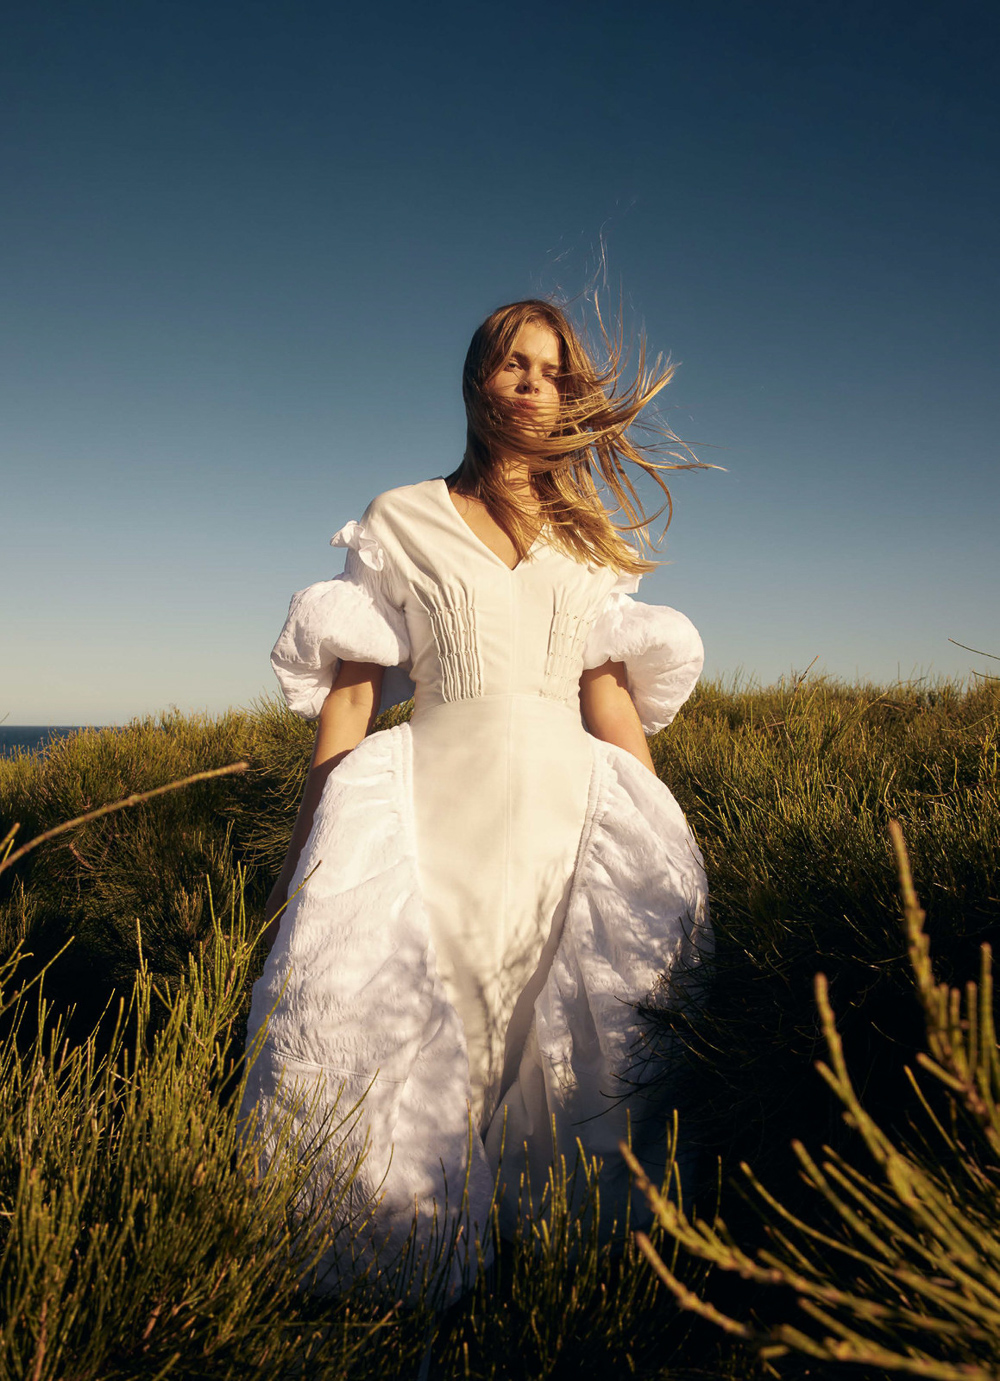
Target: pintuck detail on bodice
x=567, y=638
x=454, y=633
x=453, y=628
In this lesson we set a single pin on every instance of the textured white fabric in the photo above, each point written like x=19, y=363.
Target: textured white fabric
x=350, y=995
x=354, y=536
x=661, y=649
x=486, y=891
x=637, y=910
x=343, y=619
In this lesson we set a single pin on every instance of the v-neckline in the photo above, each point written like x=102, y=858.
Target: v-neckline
x=449, y=501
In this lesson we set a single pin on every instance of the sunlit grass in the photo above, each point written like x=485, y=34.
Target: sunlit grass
x=895, y=1264
x=789, y=791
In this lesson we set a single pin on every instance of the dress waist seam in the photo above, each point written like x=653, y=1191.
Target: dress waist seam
x=499, y=698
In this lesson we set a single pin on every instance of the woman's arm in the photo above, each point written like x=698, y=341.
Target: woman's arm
x=609, y=712
x=345, y=718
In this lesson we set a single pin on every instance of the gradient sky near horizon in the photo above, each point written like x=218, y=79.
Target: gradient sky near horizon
x=244, y=246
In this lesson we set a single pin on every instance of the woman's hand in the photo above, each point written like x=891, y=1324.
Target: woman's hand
x=347, y=714
x=609, y=713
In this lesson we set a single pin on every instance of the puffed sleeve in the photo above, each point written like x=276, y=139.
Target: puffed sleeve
x=349, y=618
x=661, y=649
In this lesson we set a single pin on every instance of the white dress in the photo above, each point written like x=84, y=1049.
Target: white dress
x=490, y=888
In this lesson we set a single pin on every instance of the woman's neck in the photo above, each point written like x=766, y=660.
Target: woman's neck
x=515, y=473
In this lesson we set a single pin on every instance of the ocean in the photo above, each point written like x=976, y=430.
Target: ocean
x=30, y=736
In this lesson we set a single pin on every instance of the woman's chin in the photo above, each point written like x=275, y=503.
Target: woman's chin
x=538, y=430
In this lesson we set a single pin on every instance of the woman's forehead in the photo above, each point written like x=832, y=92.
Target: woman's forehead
x=537, y=339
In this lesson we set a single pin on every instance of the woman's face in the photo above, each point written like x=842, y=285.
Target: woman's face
x=528, y=380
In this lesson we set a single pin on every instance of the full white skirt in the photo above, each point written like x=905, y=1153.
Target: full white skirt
x=351, y=1008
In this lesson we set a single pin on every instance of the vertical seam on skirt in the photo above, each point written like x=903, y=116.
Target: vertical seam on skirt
x=508, y=831
x=592, y=818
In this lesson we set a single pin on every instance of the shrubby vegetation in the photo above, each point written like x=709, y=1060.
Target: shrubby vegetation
x=129, y=1221
x=898, y=1264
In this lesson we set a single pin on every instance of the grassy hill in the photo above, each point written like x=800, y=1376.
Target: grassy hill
x=137, y=1243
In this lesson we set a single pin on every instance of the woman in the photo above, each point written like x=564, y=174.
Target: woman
x=480, y=897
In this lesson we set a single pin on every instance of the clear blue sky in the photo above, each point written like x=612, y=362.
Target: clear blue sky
x=244, y=246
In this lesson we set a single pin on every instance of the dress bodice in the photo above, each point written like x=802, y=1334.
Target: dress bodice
x=477, y=628
x=424, y=597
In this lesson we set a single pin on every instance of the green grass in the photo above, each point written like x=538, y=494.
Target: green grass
x=141, y=1238
x=789, y=790
x=790, y=793
x=896, y=1264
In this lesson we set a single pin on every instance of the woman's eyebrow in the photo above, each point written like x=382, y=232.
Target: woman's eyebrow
x=518, y=355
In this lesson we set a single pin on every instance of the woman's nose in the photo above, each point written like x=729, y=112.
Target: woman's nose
x=529, y=381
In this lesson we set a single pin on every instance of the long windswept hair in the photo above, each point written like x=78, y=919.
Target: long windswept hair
x=590, y=437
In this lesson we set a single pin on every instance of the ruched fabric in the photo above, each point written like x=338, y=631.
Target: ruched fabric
x=346, y=619
x=662, y=651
